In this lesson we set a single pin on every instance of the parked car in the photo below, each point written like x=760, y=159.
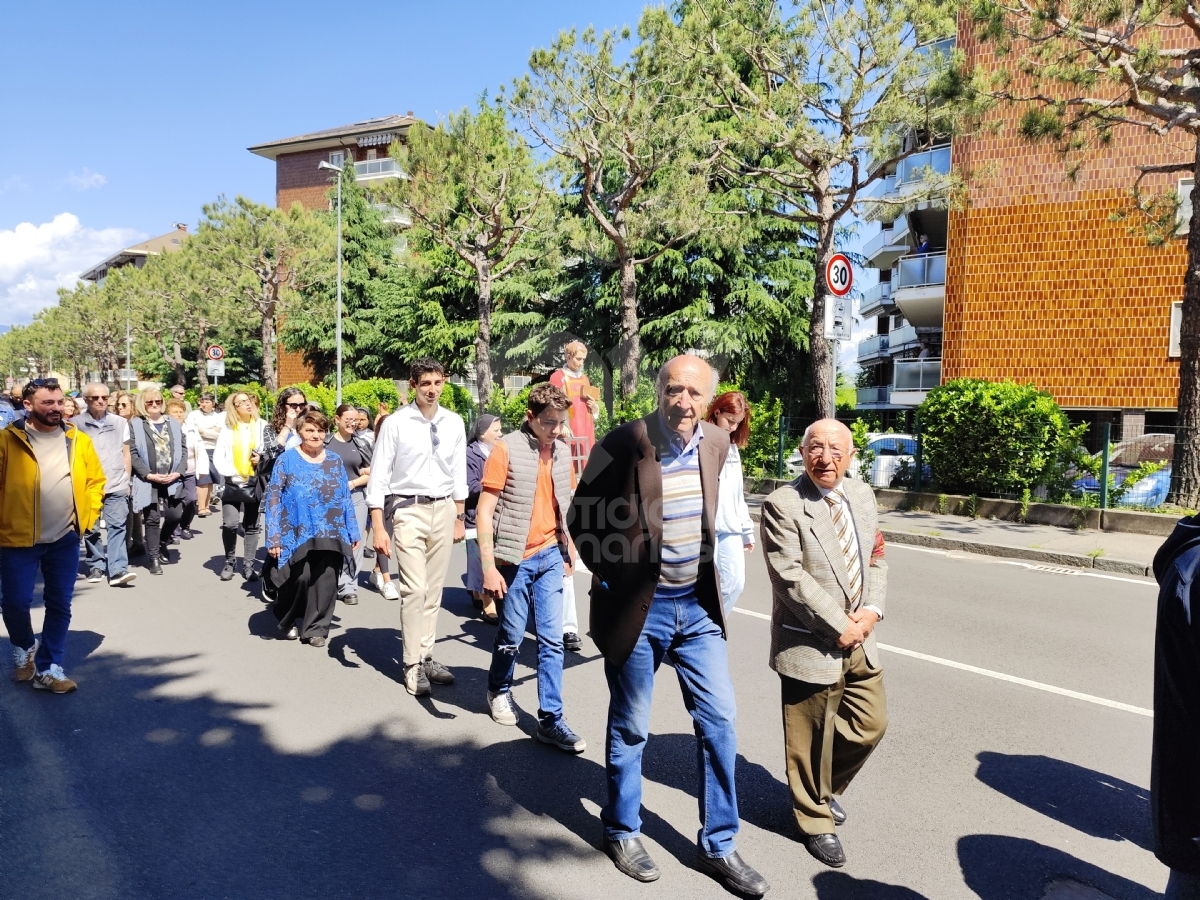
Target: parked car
x=891, y=451
x=1126, y=456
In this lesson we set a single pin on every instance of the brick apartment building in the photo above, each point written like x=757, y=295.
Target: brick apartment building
x=298, y=179
x=1038, y=283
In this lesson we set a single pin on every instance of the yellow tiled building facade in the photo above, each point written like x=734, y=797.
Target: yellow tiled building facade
x=1043, y=286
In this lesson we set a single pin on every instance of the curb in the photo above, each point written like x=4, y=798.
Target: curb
x=1074, y=560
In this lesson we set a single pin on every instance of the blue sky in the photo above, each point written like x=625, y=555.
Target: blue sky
x=119, y=120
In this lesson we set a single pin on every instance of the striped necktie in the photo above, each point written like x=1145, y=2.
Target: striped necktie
x=849, y=541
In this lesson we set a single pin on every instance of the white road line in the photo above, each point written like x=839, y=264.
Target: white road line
x=999, y=676
x=1033, y=567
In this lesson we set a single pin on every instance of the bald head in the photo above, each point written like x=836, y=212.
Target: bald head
x=685, y=388
x=828, y=448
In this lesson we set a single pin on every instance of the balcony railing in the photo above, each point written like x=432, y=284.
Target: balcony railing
x=904, y=335
x=917, y=374
x=877, y=243
x=872, y=345
x=873, y=395
x=944, y=46
x=378, y=168
x=877, y=296
x=880, y=188
x=912, y=168
x=920, y=271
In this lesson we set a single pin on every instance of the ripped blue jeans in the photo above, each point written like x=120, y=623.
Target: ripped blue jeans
x=536, y=583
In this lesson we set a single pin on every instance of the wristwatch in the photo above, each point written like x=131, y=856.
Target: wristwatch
x=462, y=517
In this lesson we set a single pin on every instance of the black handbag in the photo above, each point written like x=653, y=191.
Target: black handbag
x=267, y=455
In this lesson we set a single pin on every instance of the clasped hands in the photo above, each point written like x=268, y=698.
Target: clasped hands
x=168, y=478
x=862, y=623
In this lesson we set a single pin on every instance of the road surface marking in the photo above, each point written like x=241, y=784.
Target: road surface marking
x=1033, y=567
x=999, y=676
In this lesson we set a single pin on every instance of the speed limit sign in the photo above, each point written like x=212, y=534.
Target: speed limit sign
x=839, y=275
x=216, y=353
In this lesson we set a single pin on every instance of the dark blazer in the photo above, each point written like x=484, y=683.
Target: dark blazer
x=616, y=523
x=475, y=463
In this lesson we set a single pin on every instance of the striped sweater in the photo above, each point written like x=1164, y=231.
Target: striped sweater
x=682, y=518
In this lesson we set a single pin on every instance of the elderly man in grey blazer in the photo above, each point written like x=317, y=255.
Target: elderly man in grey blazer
x=825, y=557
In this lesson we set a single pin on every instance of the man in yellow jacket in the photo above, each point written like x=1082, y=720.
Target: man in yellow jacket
x=51, y=492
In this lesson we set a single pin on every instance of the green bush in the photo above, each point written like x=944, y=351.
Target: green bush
x=996, y=437
x=511, y=410
x=369, y=393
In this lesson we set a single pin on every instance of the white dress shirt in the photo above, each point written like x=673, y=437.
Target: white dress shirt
x=418, y=456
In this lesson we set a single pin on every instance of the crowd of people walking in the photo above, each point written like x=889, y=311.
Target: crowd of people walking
x=658, y=518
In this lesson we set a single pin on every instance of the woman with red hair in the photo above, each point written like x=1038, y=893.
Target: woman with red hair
x=735, y=530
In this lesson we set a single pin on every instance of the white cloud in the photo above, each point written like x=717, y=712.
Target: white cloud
x=36, y=260
x=87, y=179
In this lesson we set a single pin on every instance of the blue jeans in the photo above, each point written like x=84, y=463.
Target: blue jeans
x=18, y=570
x=681, y=629
x=115, y=514
x=537, y=582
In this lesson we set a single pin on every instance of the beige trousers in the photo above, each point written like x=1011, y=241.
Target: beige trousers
x=422, y=537
x=829, y=730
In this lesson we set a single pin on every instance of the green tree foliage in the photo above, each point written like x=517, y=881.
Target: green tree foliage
x=982, y=437
x=633, y=149
x=472, y=184
x=819, y=99
x=265, y=257
x=1081, y=70
x=370, y=274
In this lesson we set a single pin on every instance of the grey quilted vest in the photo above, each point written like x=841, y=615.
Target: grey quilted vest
x=514, y=509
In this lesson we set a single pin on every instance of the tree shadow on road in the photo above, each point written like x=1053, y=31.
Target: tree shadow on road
x=1089, y=801
x=998, y=867
x=151, y=796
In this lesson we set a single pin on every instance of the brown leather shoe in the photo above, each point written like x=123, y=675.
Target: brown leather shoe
x=54, y=681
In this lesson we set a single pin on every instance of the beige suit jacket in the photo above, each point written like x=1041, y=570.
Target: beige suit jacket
x=809, y=581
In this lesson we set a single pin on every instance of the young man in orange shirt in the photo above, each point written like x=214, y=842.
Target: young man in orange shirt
x=525, y=551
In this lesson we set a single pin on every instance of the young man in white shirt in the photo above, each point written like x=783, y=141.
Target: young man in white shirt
x=419, y=481
x=207, y=421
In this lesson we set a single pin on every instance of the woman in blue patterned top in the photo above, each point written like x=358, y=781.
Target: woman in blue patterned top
x=311, y=532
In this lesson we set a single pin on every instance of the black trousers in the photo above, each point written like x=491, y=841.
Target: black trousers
x=307, y=599
x=161, y=518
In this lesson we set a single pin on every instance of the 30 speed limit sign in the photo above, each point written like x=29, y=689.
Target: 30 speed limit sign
x=839, y=275
x=216, y=353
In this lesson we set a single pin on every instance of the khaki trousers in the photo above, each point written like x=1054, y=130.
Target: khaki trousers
x=829, y=730
x=422, y=537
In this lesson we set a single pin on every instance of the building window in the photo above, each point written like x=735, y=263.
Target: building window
x=1185, y=205
x=1176, y=325
x=371, y=153
x=337, y=158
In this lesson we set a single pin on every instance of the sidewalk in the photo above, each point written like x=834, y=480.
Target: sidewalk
x=1110, y=551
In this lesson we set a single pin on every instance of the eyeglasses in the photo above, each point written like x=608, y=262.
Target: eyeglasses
x=98, y=398
x=433, y=435
x=154, y=403
x=818, y=452
x=245, y=401
x=291, y=405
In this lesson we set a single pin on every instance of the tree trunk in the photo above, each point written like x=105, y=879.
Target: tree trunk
x=818, y=347
x=1185, y=470
x=608, y=388
x=631, y=344
x=270, y=374
x=180, y=371
x=202, y=355
x=483, y=341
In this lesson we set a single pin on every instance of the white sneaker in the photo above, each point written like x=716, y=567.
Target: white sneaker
x=23, y=668
x=501, y=708
x=389, y=591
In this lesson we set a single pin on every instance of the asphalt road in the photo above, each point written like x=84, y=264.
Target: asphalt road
x=202, y=759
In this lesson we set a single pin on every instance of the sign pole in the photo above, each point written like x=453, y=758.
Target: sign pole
x=833, y=406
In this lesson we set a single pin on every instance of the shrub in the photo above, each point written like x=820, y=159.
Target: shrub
x=996, y=437
x=369, y=393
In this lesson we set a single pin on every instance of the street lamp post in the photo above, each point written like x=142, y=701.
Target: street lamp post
x=328, y=165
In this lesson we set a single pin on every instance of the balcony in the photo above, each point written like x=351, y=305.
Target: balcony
x=914, y=379
x=377, y=169
x=945, y=46
x=873, y=347
x=872, y=396
x=880, y=188
x=875, y=300
x=911, y=169
x=392, y=215
x=904, y=337
x=881, y=252
x=919, y=288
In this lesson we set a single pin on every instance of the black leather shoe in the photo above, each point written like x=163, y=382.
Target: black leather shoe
x=631, y=858
x=826, y=848
x=155, y=566
x=839, y=814
x=734, y=872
